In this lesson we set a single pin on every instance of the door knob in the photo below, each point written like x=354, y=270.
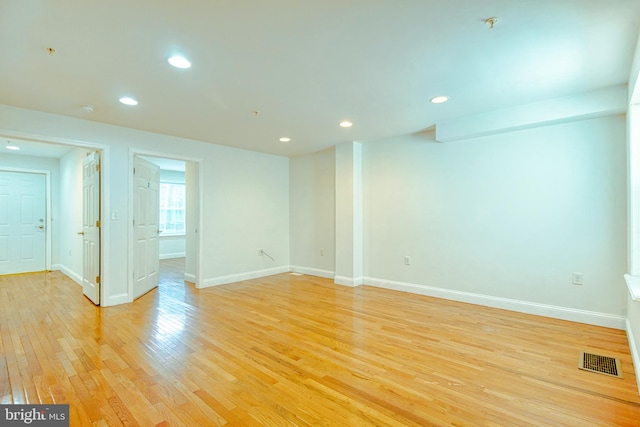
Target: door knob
x=81, y=233
x=41, y=227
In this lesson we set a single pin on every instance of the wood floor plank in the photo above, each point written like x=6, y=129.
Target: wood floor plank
x=299, y=350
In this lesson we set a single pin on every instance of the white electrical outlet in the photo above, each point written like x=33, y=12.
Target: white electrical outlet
x=578, y=279
x=407, y=260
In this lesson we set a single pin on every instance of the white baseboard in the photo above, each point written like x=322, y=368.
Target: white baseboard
x=312, y=271
x=232, y=278
x=188, y=277
x=69, y=273
x=556, y=312
x=173, y=255
x=348, y=281
x=115, y=300
x=634, y=352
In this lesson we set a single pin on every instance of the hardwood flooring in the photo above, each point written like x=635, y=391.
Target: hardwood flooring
x=299, y=350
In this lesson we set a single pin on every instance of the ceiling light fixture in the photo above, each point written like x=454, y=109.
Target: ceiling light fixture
x=12, y=147
x=179, y=61
x=346, y=124
x=126, y=100
x=285, y=139
x=439, y=99
x=87, y=108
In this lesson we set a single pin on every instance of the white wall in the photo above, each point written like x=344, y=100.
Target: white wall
x=633, y=332
x=245, y=197
x=172, y=246
x=70, y=242
x=509, y=216
x=14, y=161
x=312, y=225
x=192, y=222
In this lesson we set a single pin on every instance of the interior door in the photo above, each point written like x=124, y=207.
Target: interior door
x=91, y=227
x=146, y=182
x=22, y=222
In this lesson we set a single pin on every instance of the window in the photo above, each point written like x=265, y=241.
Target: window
x=172, y=208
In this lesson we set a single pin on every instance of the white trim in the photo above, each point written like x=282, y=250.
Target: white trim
x=556, y=312
x=116, y=300
x=189, y=277
x=635, y=357
x=173, y=255
x=348, y=281
x=232, y=278
x=69, y=273
x=312, y=271
x=633, y=284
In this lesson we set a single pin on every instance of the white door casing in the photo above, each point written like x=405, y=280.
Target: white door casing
x=146, y=183
x=91, y=227
x=23, y=222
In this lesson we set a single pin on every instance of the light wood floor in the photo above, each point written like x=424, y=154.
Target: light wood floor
x=288, y=350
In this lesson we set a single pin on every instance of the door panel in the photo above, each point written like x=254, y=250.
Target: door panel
x=145, y=226
x=91, y=227
x=22, y=222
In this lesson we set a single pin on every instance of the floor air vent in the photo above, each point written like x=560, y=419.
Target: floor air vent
x=600, y=364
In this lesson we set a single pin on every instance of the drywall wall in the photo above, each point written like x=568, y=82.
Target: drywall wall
x=71, y=213
x=192, y=222
x=510, y=216
x=172, y=246
x=42, y=164
x=633, y=333
x=312, y=213
x=245, y=197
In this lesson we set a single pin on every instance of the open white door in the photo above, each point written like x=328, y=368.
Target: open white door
x=22, y=222
x=146, y=182
x=91, y=227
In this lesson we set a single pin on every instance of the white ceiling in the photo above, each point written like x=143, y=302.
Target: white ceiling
x=34, y=149
x=306, y=65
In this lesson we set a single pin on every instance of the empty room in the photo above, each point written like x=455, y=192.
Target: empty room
x=249, y=213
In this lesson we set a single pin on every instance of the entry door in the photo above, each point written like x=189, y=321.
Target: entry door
x=146, y=178
x=22, y=222
x=91, y=227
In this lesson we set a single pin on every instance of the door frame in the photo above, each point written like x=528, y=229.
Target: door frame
x=133, y=153
x=47, y=201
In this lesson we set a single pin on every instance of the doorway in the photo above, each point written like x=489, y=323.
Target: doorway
x=177, y=213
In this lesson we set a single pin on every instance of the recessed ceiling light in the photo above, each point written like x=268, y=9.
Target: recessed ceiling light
x=346, y=124
x=285, y=139
x=126, y=100
x=439, y=99
x=13, y=147
x=179, y=61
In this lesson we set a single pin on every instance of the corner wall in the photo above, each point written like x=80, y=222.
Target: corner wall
x=71, y=210
x=503, y=220
x=312, y=212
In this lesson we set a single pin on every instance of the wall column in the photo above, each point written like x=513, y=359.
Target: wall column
x=349, y=215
